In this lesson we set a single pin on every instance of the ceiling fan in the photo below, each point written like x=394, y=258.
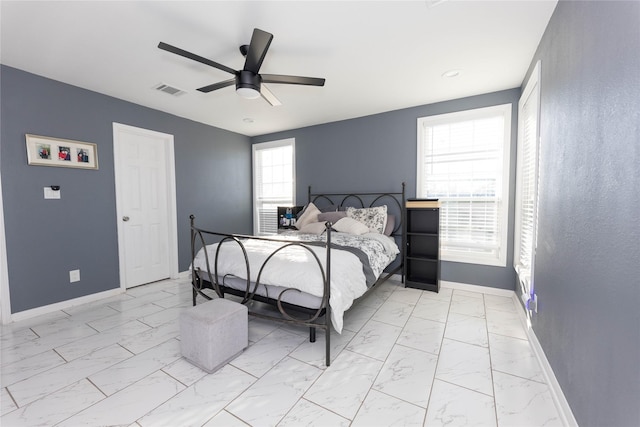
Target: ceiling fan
x=249, y=84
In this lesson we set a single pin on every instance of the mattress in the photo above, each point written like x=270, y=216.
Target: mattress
x=297, y=260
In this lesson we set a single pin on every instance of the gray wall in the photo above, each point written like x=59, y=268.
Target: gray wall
x=587, y=272
x=378, y=153
x=47, y=238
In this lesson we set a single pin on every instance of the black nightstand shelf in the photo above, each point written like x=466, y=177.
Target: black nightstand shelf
x=422, y=234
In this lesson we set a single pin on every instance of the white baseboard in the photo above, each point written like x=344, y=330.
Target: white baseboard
x=467, y=287
x=477, y=288
x=27, y=314
x=564, y=410
x=45, y=309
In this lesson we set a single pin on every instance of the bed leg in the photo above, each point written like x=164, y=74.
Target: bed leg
x=194, y=294
x=327, y=347
x=312, y=334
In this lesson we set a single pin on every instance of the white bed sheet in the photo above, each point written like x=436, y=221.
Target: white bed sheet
x=348, y=280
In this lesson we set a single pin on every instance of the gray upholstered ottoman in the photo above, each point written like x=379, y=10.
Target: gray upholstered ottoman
x=213, y=333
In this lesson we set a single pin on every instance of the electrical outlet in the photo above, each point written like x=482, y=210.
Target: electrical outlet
x=532, y=305
x=74, y=276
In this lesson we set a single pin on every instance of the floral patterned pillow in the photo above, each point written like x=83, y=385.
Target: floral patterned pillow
x=350, y=226
x=374, y=218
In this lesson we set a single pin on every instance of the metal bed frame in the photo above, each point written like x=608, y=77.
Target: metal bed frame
x=290, y=313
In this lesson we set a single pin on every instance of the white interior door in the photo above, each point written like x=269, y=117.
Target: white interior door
x=145, y=196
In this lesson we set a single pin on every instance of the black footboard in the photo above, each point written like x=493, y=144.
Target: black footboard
x=311, y=317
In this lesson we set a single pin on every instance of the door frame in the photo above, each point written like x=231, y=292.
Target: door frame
x=170, y=168
x=5, y=294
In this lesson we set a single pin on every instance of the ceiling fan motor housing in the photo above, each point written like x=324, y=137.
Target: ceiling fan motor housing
x=248, y=80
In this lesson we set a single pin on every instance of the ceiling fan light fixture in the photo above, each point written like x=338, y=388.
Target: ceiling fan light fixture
x=248, y=92
x=248, y=84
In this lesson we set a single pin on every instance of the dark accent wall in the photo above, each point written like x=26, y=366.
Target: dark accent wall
x=587, y=276
x=47, y=238
x=378, y=153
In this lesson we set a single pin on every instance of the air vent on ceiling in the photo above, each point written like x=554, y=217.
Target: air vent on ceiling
x=171, y=90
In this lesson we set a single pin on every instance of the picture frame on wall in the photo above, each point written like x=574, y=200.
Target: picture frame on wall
x=48, y=151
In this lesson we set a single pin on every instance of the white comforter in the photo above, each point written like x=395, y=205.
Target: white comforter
x=347, y=276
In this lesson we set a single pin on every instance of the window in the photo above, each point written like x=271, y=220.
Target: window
x=273, y=182
x=463, y=160
x=527, y=183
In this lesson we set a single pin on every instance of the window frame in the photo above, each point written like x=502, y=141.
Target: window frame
x=255, y=148
x=504, y=110
x=525, y=275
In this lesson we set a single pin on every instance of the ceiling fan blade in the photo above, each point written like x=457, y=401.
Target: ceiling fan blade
x=292, y=80
x=195, y=57
x=260, y=41
x=269, y=96
x=216, y=86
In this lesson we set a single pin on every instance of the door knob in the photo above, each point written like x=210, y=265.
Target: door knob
x=125, y=218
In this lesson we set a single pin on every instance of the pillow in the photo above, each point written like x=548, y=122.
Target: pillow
x=351, y=226
x=374, y=218
x=391, y=224
x=314, y=228
x=329, y=208
x=332, y=217
x=309, y=215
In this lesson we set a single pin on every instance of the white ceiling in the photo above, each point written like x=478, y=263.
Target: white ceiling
x=376, y=56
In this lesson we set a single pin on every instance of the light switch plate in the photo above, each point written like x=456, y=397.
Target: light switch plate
x=51, y=194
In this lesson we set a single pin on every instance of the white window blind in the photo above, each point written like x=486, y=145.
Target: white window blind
x=273, y=182
x=527, y=182
x=463, y=160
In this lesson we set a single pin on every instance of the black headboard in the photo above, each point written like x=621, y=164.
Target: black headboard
x=395, y=202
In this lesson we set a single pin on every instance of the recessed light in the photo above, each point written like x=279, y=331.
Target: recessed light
x=451, y=73
x=247, y=120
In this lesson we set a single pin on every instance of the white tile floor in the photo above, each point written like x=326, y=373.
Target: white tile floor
x=406, y=357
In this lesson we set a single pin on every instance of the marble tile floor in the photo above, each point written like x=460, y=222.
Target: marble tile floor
x=405, y=357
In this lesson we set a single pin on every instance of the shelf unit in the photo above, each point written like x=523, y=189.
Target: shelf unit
x=422, y=236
